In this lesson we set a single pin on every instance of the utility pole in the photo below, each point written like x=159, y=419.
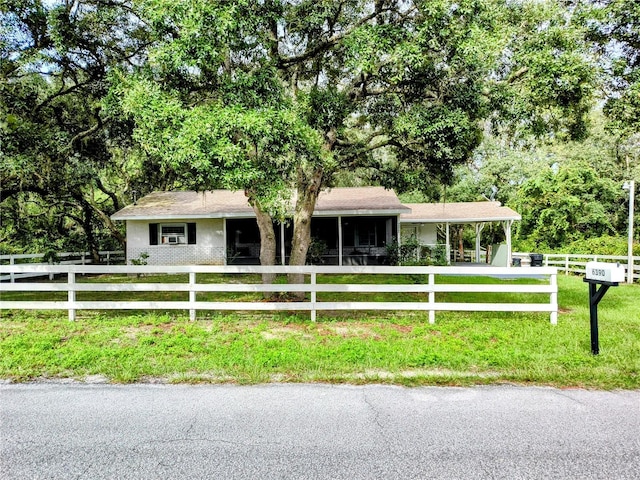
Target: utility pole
x=631, y=186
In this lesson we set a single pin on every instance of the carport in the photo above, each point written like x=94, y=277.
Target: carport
x=477, y=214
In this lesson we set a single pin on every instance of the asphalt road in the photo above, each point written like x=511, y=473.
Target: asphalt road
x=71, y=431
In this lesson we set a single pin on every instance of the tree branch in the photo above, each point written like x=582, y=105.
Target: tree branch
x=329, y=42
x=87, y=132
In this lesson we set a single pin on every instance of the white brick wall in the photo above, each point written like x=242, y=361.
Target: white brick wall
x=179, y=254
x=210, y=248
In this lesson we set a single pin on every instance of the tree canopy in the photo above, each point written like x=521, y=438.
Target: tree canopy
x=281, y=98
x=289, y=94
x=63, y=159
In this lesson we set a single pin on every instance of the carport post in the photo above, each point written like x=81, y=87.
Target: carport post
x=479, y=228
x=282, y=249
x=506, y=225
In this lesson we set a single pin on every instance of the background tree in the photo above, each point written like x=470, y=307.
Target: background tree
x=614, y=28
x=65, y=164
x=560, y=207
x=567, y=192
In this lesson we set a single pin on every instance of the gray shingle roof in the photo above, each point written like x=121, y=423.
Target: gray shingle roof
x=331, y=202
x=359, y=200
x=225, y=203
x=157, y=205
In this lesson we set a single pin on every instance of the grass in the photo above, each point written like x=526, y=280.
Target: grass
x=349, y=347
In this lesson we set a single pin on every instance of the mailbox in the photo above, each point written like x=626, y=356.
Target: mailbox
x=605, y=272
x=604, y=275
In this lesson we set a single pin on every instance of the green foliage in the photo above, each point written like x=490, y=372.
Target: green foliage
x=567, y=192
x=614, y=27
x=604, y=245
x=62, y=172
x=141, y=259
x=317, y=249
x=51, y=256
x=555, y=76
x=218, y=145
x=412, y=252
x=281, y=94
x=559, y=208
x=98, y=99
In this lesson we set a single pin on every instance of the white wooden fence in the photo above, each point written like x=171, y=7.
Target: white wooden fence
x=547, y=288
x=576, y=263
x=107, y=257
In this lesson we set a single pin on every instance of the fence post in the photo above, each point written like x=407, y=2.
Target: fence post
x=566, y=265
x=12, y=261
x=313, y=296
x=71, y=295
x=553, y=300
x=432, y=298
x=192, y=296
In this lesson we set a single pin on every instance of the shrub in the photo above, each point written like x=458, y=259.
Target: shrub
x=604, y=245
x=412, y=252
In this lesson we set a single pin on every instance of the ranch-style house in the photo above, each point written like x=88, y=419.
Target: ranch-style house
x=350, y=226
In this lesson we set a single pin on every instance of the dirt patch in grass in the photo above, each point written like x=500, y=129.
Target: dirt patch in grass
x=347, y=330
x=286, y=332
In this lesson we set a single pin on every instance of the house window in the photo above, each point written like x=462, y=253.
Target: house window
x=172, y=233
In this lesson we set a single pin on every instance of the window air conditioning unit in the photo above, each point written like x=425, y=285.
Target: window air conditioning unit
x=173, y=239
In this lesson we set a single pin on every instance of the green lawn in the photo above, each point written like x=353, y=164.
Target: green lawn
x=382, y=347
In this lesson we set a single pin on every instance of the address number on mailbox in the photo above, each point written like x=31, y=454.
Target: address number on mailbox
x=605, y=272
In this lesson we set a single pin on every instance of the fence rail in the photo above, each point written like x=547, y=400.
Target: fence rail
x=576, y=263
x=107, y=257
x=428, y=303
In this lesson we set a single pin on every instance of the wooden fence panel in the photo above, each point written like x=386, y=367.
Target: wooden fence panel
x=191, y=288
x=576, y=263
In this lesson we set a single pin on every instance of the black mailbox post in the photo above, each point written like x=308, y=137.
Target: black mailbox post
x=606, y=275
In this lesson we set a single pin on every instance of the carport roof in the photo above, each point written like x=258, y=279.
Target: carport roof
x=456, y=213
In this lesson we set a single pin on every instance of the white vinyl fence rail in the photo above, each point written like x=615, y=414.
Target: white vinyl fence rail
x=576, y=263
x=107, y=257
x=544, y=292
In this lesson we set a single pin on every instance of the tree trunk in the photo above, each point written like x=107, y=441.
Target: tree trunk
x=87, y=226
x=308, y=191
x=267, y=241
x=107, y=222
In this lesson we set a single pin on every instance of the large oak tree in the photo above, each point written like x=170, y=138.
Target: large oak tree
x=285, y=95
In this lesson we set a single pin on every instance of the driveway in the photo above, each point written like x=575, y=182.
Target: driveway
x=77, y=431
